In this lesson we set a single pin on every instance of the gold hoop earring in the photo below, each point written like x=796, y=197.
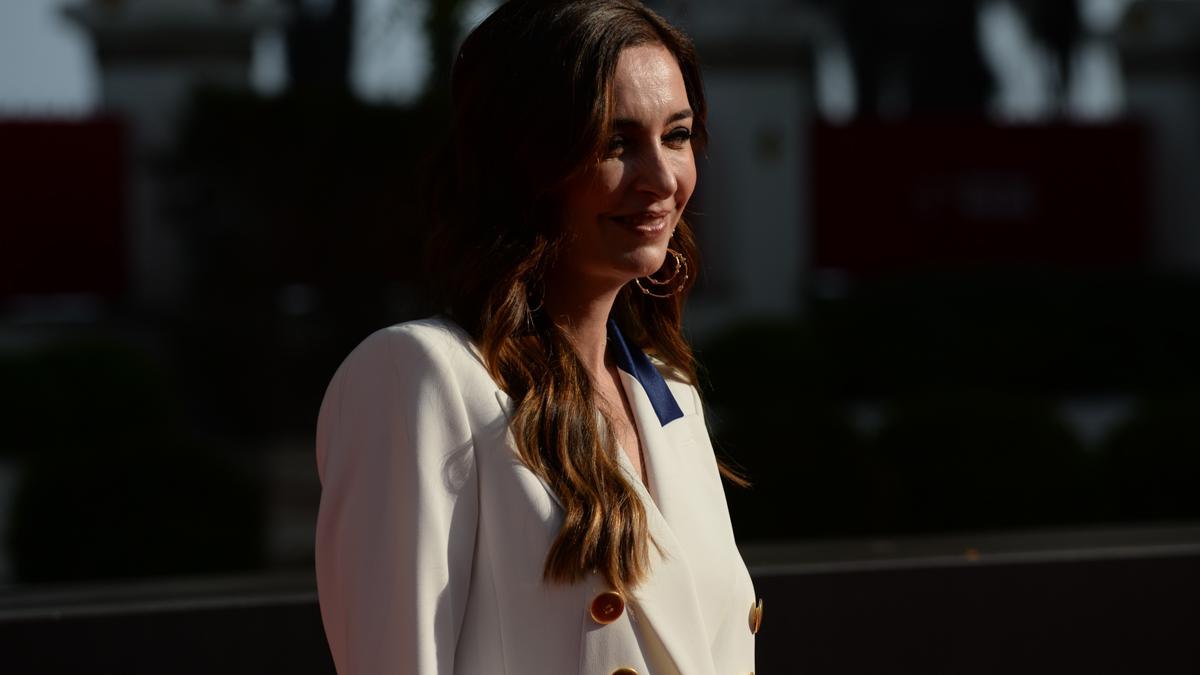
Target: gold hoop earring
x=681, y=270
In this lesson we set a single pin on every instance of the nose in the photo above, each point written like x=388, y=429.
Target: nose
x=656, y=174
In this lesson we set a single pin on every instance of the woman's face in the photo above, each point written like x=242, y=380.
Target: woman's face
x=621, y=213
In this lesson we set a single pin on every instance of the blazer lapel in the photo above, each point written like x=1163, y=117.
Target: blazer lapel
x=666, y=602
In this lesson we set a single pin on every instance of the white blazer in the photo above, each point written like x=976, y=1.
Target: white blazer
x=432, y=534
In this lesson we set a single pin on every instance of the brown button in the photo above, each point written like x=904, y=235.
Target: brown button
x=607, y=607
x=624, y=671
x=756, y=611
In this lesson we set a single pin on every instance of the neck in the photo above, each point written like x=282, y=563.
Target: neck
x=583, y=315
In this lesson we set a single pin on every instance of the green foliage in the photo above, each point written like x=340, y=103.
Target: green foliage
x=313, y=194
x=110, y=485
x=1012, y=330
x=973, y=461
x=1152, y=462
x=963, y=371
x=809, y=468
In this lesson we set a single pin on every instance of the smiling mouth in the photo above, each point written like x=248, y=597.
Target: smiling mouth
x=647, y=221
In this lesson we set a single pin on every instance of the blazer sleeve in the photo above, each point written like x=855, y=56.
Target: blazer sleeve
x=399, y=508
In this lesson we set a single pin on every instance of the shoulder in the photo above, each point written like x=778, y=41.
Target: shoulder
x=432, y=344
x=400, y=393
x=415, y=363
x=403, y=369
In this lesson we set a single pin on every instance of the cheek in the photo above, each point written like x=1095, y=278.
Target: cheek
x=685, y=177
x=609, y=182
x=583, y=199
x=599, y=193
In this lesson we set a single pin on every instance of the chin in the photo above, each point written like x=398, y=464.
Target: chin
x=647, y=262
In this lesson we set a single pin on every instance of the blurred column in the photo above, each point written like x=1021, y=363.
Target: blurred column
x=758, y=63
x=152, y=55
x=1159, y=41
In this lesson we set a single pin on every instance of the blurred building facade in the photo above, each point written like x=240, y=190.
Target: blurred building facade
x=152, y=56
x=1159, y=42
x=761, y=64
x=763, y=71
x=797, y=204
x=759, y=61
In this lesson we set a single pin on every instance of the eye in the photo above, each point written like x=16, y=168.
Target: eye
x=616, y=145
x=678, y=137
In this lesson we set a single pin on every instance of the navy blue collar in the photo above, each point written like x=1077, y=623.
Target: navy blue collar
x=631, y=359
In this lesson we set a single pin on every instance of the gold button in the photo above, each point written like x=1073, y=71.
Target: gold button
x=756, y=611
x=607, y=607
x=628, y=671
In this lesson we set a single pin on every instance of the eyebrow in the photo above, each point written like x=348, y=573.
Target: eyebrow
x=684, y=114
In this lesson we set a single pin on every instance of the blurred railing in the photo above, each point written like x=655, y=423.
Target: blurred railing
x=1086, y=601
x=1095, y=601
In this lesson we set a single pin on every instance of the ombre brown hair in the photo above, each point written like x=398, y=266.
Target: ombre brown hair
x=532, y=104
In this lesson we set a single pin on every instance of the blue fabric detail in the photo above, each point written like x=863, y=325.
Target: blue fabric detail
x=634, y=361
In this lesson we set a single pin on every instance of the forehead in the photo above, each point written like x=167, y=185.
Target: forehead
x=647, y=82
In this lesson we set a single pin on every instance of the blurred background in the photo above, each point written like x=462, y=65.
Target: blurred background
x=947, y=314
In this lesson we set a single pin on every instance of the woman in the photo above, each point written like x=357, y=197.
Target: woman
x=516, y=487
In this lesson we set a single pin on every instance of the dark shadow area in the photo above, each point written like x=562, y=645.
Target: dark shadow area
x=941, y=403
x=1048, y=611
x=983, y=324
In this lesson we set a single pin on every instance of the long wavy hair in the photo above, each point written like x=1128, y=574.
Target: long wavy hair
x=532, y=106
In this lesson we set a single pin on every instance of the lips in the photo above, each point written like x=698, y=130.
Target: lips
x=647, y=222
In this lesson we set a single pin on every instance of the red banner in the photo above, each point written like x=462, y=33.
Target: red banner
x=62, y=207
x=914, y=196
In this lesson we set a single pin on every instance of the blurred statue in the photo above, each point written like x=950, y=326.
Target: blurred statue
x=320, y=43
x=1057, y=25
x=320, y=39
x=915, y=58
